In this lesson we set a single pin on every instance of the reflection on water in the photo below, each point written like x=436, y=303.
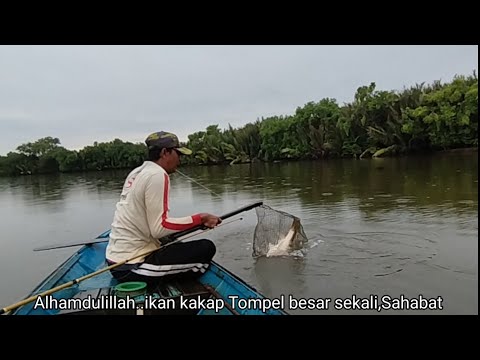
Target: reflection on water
x=376, y=226
x=44, y=189
x=280, y=276
x=373, y=185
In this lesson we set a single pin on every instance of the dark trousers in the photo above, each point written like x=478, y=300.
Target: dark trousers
x=180, y=260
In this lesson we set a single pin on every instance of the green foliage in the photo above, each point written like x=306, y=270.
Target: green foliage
x=316, y=129
x=275, y=135
x=448, y=115
x=40, y=147
x=18, y=164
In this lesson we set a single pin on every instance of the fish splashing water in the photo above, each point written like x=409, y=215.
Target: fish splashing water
x=283, y=247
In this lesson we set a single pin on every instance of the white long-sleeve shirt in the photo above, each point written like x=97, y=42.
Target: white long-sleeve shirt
x=141, y=216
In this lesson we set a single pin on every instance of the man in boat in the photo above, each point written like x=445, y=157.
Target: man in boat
x=142, y=218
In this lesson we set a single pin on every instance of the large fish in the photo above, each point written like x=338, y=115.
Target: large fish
x=286, y=244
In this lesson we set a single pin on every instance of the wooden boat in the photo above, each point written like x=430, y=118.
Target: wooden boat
x=216, y=292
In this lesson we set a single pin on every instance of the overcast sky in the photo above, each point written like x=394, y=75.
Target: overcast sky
x=83, y=94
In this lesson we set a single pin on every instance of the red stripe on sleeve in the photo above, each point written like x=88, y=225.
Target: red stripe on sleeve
x=165, y=196
x=171, y=226
x=196, y=220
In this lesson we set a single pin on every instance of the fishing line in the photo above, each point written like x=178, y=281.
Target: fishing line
x=196, y=182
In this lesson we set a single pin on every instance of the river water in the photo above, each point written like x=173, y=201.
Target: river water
x=378, y=227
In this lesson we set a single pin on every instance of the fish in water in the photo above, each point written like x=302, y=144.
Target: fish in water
x=285, y=245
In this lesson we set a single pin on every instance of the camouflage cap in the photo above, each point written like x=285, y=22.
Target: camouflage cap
x=163, y=139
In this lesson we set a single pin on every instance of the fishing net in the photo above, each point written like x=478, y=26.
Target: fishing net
x=277, y=233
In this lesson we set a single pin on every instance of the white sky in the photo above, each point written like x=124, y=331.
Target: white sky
x=83, y=94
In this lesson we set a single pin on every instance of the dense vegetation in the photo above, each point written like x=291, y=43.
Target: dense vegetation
x=377, y=123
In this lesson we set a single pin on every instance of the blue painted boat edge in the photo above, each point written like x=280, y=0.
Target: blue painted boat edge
x=77, y=259
x=234, y=290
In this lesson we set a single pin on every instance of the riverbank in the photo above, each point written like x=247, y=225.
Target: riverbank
x=460, y=150
x=468, y=150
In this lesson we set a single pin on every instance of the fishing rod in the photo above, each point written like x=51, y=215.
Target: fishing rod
x=105, y=236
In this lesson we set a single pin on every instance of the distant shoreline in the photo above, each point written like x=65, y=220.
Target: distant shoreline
x=469, y=149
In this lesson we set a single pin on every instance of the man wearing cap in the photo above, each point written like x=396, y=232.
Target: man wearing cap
x=142, y=217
